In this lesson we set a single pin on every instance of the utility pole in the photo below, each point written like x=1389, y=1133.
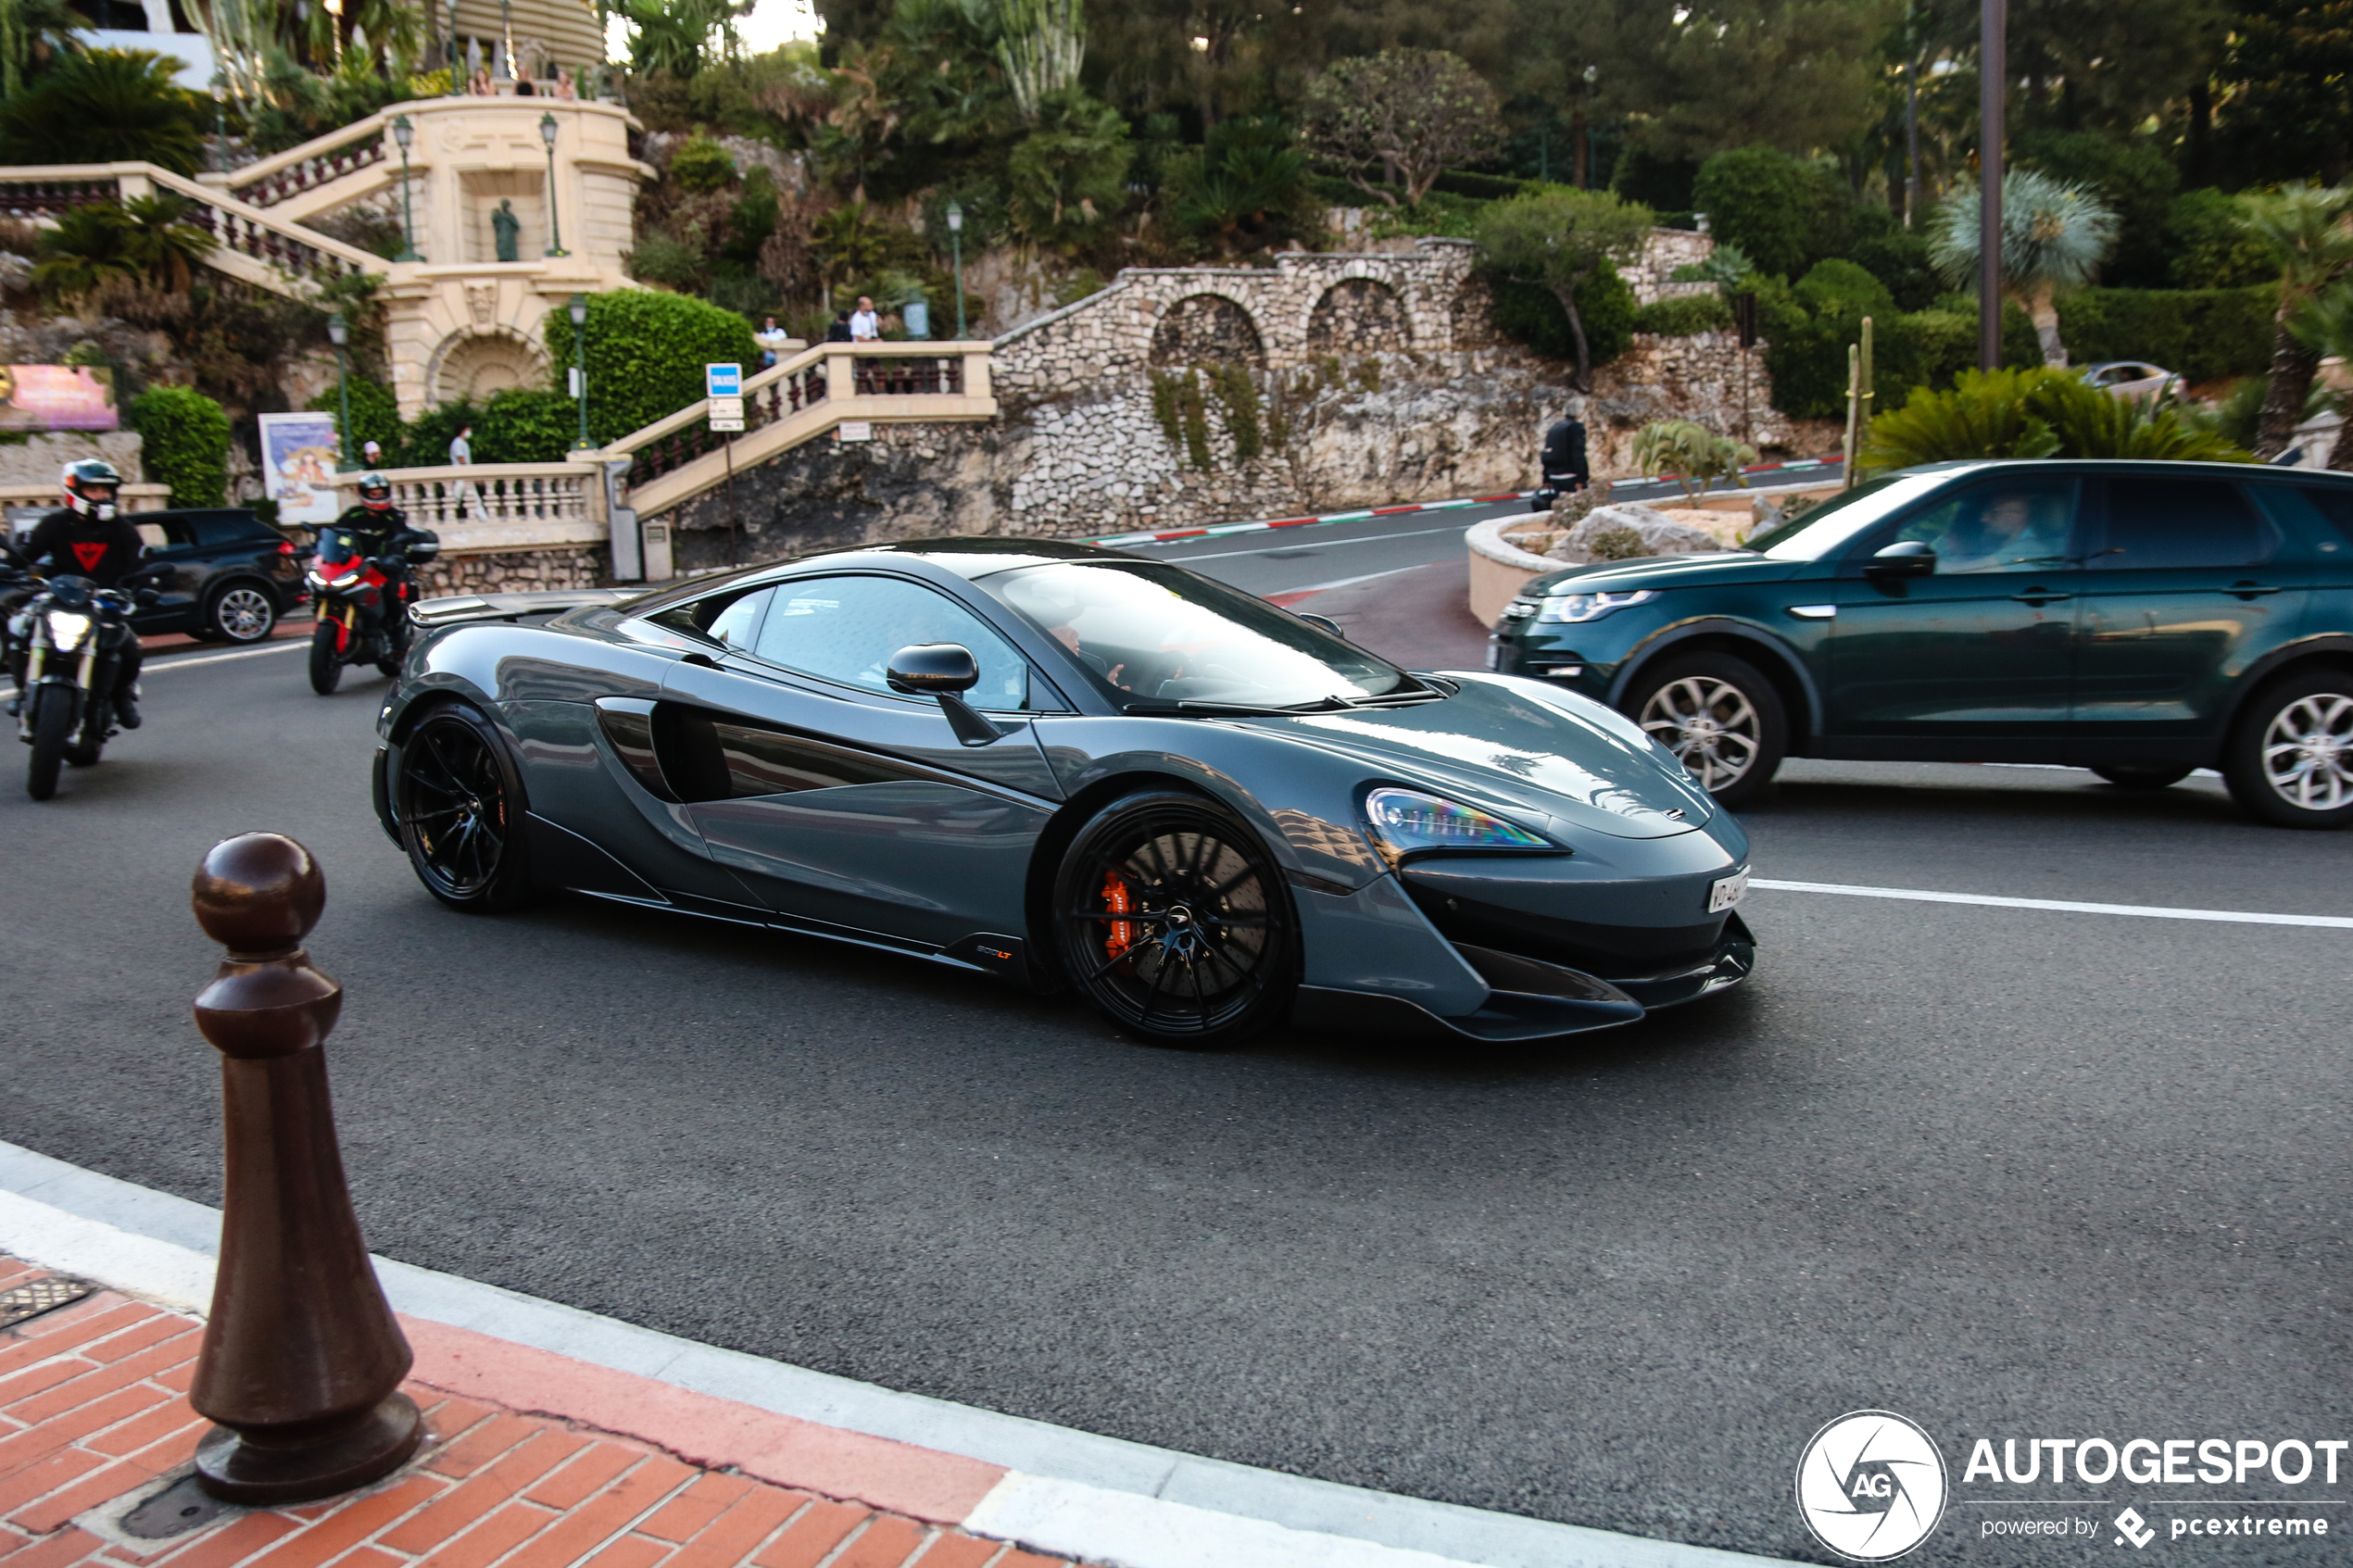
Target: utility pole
x=1911, y=118
x=1992, y=81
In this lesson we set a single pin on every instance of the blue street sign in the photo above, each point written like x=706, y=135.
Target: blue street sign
x=723, y=381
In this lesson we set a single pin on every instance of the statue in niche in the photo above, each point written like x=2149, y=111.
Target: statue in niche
x=504, y=227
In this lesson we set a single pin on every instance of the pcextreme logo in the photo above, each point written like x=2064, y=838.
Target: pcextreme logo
x=1871, y=1485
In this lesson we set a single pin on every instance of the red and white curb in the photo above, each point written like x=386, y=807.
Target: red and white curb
x=1219, y=531
x=1049, y=1488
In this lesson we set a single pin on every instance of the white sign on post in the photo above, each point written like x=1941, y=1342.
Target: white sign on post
x=723, y=381
x=727, y=413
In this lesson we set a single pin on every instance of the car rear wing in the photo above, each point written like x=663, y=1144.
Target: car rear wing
x=433, y=614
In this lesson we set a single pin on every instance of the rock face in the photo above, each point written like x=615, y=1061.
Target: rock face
x=1180, y=396
x=1660, y=534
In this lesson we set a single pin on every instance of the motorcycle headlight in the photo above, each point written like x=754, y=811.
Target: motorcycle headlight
x=67, y=629
x=1407, y=821
x=1590, y=606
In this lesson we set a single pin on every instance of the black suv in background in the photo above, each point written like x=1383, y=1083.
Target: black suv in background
x=2138, y=619
x=232, y=575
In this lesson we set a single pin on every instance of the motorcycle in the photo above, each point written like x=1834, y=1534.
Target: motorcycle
x=363, y=603
x=72, y=634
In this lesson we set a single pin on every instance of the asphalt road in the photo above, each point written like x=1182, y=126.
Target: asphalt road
x=2013, y=1174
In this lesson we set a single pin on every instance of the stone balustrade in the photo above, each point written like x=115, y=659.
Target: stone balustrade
x=276, y=254
x=272, y=180
x=484, y=507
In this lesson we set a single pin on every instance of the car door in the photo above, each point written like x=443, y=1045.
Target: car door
x=2183, y=585
x=1972, y=660
x=841, y=802
x=172, y=537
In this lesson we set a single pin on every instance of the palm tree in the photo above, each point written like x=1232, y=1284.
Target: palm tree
x=161, y=243
x=2053, y=235
x=2306, y=225
x=89, y=246
x=32, y=33
x=106, y=106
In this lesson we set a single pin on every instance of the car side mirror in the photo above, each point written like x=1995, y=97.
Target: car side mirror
x=946, y=671
x=1322, y=624
x=1906, y=558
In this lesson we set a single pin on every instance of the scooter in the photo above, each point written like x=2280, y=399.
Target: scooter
x=363, y=603
x=72, y=633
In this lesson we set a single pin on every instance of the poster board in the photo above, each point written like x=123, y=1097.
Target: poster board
x=58, y=397
x=298, y=457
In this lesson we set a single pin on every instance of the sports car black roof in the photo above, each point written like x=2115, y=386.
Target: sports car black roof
x=975, y=556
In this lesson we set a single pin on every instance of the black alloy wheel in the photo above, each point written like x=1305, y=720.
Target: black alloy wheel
x=2290, y=757
x=241, y=612
x=1720, y=717
x=1172, y=919
x=326, y=664
x=2143, y=778
x=458, y=802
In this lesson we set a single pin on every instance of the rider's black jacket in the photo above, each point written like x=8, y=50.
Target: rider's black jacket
x=66, y=544
x=378, y=533
x=1564, y=454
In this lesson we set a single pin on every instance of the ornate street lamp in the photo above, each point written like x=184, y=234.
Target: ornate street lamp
x=578, y=311
x=555, y=234
x=404, y=133
x=956, y=242
x=339, y=333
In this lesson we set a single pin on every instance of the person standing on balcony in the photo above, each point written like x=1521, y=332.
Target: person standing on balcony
x=461, y=455
x=865, y=326
x=772, y=339
x=838, y=330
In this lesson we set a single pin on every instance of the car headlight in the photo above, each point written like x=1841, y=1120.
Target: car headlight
x=67, y=629
x=1407, y=821
x=1592, y=606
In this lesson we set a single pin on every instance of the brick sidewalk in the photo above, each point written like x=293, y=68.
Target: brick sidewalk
x=93, y=1406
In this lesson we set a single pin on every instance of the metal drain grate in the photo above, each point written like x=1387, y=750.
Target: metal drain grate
x=41, y=1296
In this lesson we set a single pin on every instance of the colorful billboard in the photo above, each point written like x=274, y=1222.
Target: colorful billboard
x=298, y=456
x=57, y=397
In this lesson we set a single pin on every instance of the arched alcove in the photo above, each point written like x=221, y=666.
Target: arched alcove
x=1359, y=316
x=475, y=367
x=1207, y=329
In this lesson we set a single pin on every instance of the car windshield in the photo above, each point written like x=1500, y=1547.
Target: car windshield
x=1148, y=631
x=1823, y=532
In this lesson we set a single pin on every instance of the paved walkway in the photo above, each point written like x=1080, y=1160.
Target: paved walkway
x=94, y=1418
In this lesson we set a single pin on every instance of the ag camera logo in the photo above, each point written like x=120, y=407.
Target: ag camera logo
x=1871, y=1485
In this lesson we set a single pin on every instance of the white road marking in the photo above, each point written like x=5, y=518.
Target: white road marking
x=2064, y=906
x=1346, y=582
x=1320, y=544
x=289, y=644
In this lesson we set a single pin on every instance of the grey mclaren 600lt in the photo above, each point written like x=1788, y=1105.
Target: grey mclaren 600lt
x=1072, y=769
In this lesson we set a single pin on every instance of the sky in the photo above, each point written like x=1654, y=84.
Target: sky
x=771, y=22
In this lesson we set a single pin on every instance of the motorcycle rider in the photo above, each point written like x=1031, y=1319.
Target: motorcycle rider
x=88, y=537
x=381, y=529
x=1565, y=468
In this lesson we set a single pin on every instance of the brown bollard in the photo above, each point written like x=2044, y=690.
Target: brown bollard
x=302, y=1359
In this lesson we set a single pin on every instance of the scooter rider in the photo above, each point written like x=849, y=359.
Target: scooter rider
x=89, y=538
x=1566, y=469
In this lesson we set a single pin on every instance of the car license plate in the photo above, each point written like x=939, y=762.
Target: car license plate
x=1723, y=894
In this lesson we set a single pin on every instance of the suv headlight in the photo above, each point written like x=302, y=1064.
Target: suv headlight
x=1407, y=821
x=67, y=629
x=1592, y=606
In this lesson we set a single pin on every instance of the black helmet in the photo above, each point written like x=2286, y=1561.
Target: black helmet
x=91, y=486
x=375, y=492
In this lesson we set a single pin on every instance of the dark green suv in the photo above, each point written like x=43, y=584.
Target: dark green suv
x=2140, y=620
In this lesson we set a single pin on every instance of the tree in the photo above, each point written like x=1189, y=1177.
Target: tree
x=88, y=246
x=2286, y=86
x=1070, y=174
x=2053, y=235
x=33, y=33
x=107, y=105
x=2305, y=226
x=160, y=242
x=1413, y=111
x=1244, y=189
x=1782, y=213
x=1558, y=239
x=1793, y=74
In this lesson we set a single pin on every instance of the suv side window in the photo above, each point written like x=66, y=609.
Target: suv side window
x=2020, y=523
x=2333, y=503
x=845, y=629
x=2160, y=524
x=217, y=530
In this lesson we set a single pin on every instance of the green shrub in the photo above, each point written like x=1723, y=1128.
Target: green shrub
x=1696, y=455
x=524, y=426
x=657, y=259
x=1684, y=315
x=425, y=442
x=701, y=164
x=2204, y=334
x=646, y=355
x=2037, y=413
x=1195, y=416
x=1806, y=348
x=1481, y=187
x=1786, y=214
x=1899, y=260
x=1528, y=313
x=183, y=443
x=376, y=416
x=1841, y=288
x=1239, y=399
x=2213, y=248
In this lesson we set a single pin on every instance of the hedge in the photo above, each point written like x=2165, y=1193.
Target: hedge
x=183, y=443
x=646, y=355
x=2203, y=334
x=520, y=425
x=376, y=416
x=1684, y=315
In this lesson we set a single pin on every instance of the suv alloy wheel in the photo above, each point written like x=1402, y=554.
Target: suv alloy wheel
x=2290, y=758
x=1720, y=717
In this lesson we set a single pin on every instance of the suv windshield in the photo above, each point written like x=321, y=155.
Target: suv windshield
x=1826, y=529
x=1145, y=630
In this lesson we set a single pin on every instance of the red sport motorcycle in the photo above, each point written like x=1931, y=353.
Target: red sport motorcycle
x=363, y=602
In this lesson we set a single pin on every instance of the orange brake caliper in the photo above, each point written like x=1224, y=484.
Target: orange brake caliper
x=1117, y=898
